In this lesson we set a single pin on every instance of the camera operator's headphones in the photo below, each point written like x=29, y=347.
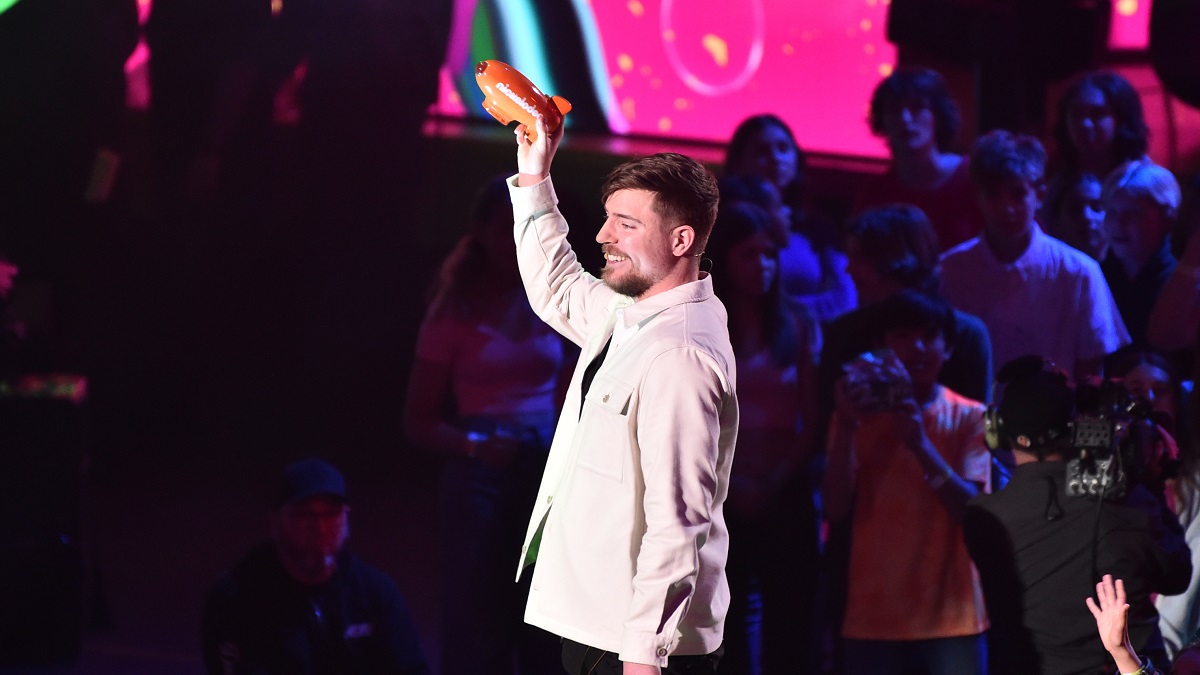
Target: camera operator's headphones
x=1022, y=368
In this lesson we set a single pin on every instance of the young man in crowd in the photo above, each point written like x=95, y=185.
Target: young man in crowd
x=1035, y=294
x=905, y=454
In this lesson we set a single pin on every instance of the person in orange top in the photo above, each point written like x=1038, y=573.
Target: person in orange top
x=905, y=454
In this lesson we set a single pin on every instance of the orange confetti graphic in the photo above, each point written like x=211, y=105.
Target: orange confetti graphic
x=885, y=69
x=788, y=49
x=629, y=108
x=664, y=124
x=625, y=62
x=636, y=8
x=617, y=81
x=682, y=104
x=716, y=48
x=865, y=25
x=1127, y=7
x=669, y=35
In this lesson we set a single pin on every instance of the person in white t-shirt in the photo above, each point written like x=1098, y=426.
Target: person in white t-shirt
x=1036, y=294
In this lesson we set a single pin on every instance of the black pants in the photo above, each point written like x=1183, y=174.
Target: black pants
x=584, y=660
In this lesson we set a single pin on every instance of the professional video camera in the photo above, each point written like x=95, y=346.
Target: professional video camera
x=1114, y=442
x=1117, y=442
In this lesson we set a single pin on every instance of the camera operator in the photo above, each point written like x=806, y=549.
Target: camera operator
x=1042, y=543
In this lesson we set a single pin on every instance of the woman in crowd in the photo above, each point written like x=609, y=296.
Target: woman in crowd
x=485, y=391
x=812, y=269
x=770, y=509
x=1099, y=125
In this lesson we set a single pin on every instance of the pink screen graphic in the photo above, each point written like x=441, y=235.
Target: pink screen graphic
x=693, y=69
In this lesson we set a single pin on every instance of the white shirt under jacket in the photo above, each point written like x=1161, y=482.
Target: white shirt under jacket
x=631, y=557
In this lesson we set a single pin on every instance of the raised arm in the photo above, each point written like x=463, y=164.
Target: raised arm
x=562, y=293
x=1112, y=622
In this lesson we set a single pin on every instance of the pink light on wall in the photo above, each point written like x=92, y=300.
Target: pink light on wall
x=137, y=66
x=1130, y=25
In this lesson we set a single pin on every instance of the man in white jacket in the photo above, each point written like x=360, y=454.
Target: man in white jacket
x=627, y=531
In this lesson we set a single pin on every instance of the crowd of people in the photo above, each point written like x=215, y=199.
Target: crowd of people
x=929, y=528
x=884, y=514
x=910, y=490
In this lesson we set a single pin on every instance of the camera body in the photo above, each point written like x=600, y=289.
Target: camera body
x=1115, y=441
x=1107, y=435
x=877, y=380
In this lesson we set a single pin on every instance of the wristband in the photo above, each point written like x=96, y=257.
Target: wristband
x=1146, y=669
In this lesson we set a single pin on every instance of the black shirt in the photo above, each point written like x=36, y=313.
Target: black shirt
x=1135, y=297
x=1034, y=547
x=260, y=621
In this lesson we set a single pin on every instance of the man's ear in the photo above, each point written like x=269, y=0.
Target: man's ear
x=682, y=239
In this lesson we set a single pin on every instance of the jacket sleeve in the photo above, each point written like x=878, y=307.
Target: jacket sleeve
x=683, y=401
x=560, y=291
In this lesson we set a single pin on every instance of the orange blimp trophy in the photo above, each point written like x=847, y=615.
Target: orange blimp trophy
x=509, y=95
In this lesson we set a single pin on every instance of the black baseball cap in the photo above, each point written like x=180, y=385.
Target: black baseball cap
x=310, y=478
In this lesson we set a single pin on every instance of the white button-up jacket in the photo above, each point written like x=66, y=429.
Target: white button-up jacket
x=628, y=531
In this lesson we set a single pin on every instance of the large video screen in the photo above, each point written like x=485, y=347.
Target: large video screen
x=693, y=69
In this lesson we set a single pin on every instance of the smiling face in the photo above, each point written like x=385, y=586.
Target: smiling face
x=1135, y=226
x=921, y=350
x=636, y=244
x=771, y=154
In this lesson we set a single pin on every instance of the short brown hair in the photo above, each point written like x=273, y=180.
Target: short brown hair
x=685, y=192
x=1000, y=156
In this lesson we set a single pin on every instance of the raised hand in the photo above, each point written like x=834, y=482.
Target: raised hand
x=1111, y=613
x=534, y=156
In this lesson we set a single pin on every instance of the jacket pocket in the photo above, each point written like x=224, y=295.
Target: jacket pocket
x=604, y=428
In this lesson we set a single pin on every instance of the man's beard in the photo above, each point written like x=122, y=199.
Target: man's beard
x=633, y=283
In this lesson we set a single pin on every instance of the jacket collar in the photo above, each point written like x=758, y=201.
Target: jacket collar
x=639, y=311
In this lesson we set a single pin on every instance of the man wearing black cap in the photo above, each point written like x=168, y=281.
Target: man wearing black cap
x=1040, y=551
x=301, y=603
